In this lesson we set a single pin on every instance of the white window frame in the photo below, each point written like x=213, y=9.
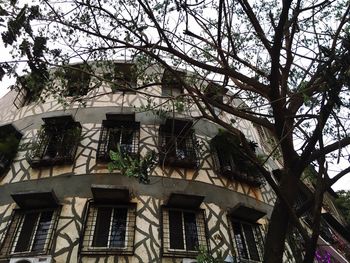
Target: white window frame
x=258, y=240
x=200, y=226
x=19, y=227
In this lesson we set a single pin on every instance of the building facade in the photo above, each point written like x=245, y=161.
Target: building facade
x=59, y=202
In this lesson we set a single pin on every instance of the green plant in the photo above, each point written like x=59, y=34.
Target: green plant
x=9, y=145
x=205, y=257
x=230, y=145
x=129, y=166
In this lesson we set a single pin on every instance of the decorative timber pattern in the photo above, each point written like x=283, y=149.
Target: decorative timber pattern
x=147, y=246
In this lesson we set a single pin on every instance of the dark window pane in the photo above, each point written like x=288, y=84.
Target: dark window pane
x=114, y=139
x=42, y=231
x=53, y=146
x=118, y=227
x=103, y=220
x=251, y=243
x=239, y=239
x=27, y=231
x=191, y=231
x=176, y=230
x=127, y=141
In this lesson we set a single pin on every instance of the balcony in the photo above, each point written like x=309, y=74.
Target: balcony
x=177, y=144
x=118, y=134
x=231, y=160
x=56, y=142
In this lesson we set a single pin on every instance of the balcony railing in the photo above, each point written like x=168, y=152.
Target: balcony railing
x=227, y=167
x=125, y=137
x=53, y=147
x=177, y=150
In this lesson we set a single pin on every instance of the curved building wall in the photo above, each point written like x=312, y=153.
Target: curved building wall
x=72, y=183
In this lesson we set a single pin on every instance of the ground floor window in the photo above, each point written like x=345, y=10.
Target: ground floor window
x=247, y=240
x=109, y=228
x=183, y=231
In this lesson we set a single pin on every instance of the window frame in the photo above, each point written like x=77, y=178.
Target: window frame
x=123, y=78
x=45, y=137
x=89, y=229
x=231, y=168
x=14, y=231
x=102, y=153
x=171, y=86
x=259, y=241
x=201, y=227
x=169, y=151
x=77, y=80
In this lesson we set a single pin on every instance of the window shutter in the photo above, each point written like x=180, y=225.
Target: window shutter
x=176, y=230
x=42, y=231
x=26, y=232
x=191, y=231
x=118, y=229
x=102, y=227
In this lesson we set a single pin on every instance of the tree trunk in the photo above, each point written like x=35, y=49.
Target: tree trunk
x=278, y=227
x=316, y=218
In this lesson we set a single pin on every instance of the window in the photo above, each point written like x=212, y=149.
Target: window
x=29, y=88
x=215, y=92
x=56, y=142
x=177, y=144
x=171, y=85
x=183, y=232
x=123, y=77
x=231, y=160
x=247, y=241
x=109, y=228
x=9, y=141
x=78, y=80
x=121, y=132
x=30, y=232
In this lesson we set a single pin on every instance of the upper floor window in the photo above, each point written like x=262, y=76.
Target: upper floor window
x=184, y=231
x=77, y=79
x=231, y=159
x=119, y=131
x=56, y=143
x=177, y=144
x=124, y=77
x=171, y=83
x=215, y=92
x=247, y=241
x=110, y=223
x=9, y=141
x=29, y=88
x=32, y=226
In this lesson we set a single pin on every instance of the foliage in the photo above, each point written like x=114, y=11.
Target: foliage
x=205, y=257
x=231, y=145
x=343, y=204
x=8, y=146
x=130, y=166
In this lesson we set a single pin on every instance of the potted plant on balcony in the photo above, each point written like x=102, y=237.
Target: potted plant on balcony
x=233, y=159
x=8, y=149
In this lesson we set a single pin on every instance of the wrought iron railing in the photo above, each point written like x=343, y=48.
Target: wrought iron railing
x=178, y=150
x=55, y=146
x=109, y=229
x=227, y=167
x=124, y=137
x=184, y=232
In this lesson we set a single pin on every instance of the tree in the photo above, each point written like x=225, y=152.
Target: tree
x=288, y=61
